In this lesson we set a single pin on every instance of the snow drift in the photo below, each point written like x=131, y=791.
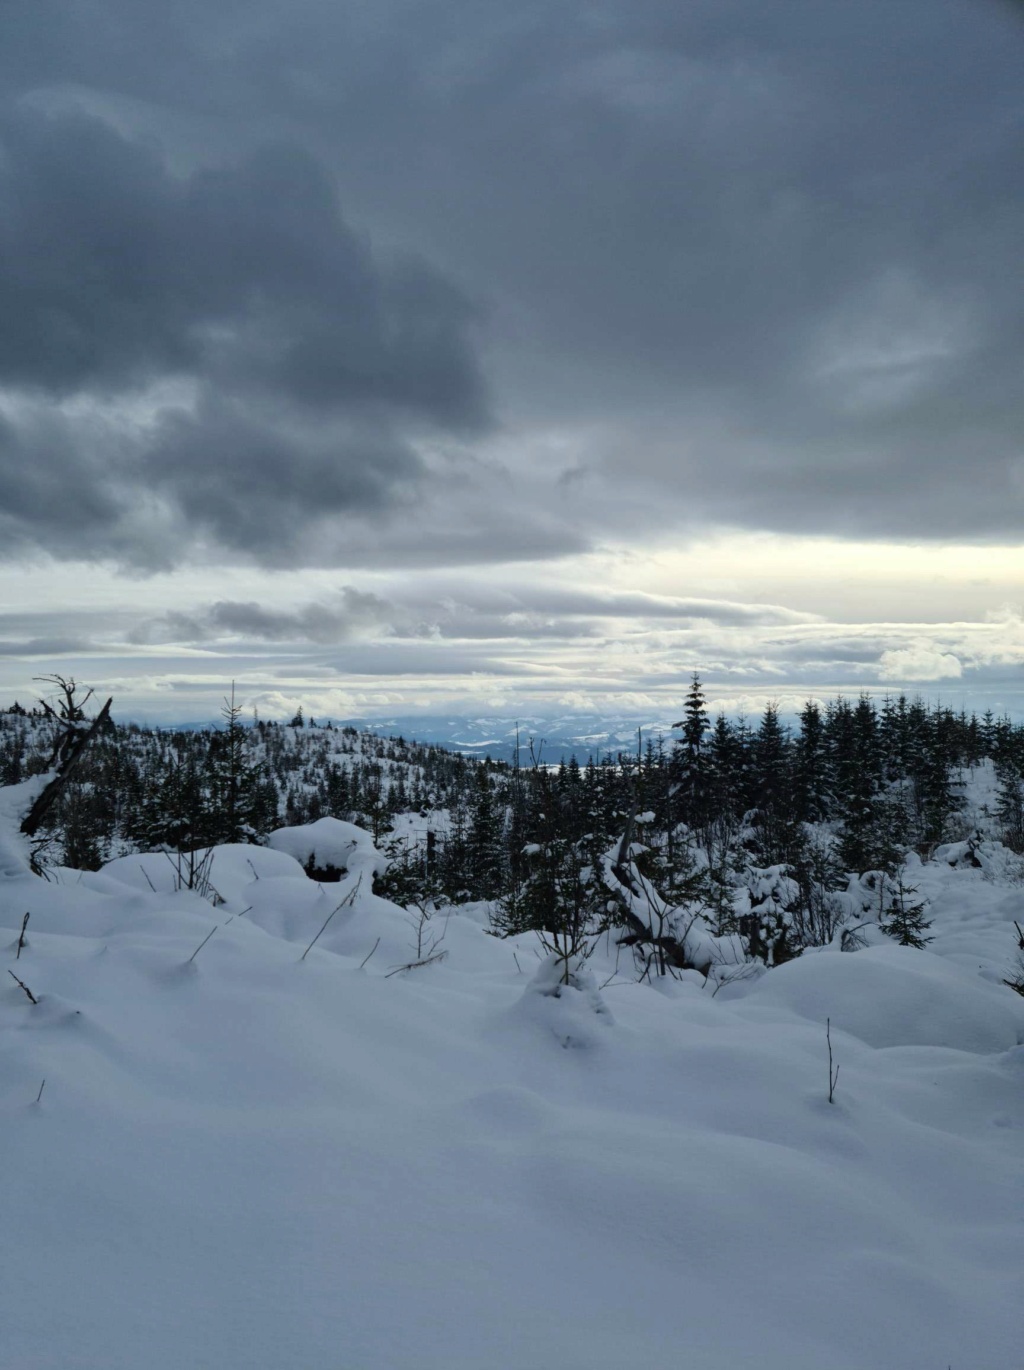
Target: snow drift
x=249, y=1154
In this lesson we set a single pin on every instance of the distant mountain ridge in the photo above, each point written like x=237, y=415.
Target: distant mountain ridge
x=579, y=735
x=582, y=735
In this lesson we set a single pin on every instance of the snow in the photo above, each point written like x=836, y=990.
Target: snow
x=15, y=802
x=249, y=1160
x=329, y=842
x=891, y=996
x=231, y=869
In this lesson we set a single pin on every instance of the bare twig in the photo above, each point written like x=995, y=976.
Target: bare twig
x=202, y=944
x=22, y=984
x=366, y=958
x=850, y=938
x=40, y=1094
x=833, y=1076
x=742, y=972
x=427, y=942
x=21, y=936
x=415, y=965
x=349, y=899
x=41, y=847
x=192, y=872
x=317, y=937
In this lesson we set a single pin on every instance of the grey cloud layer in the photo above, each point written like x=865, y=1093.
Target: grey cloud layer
x=304, y=364
x=453, y=613
x=766, y=250
x=312, y=623
x=755, y=259
x=114, y=271
x=362, y=639
x=409, y=647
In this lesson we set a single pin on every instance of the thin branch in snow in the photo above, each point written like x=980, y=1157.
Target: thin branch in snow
x=349, y=898
x=22, y=984
x=202, y=944
x=833, y=1076
x=415, y=965
x=366, y=958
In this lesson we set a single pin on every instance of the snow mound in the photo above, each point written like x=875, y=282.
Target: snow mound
x=330, y=842
x=573, y=1013
x=891, y=996
x=223, y=872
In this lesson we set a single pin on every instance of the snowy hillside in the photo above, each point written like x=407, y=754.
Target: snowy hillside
x=251, y=1155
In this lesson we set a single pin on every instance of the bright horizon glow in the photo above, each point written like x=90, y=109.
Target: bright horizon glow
x=798, y=617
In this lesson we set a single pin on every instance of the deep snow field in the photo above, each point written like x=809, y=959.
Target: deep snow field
x=254, y=1161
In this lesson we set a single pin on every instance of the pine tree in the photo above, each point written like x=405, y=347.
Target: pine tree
x=719, y=832
x=864, y=840
x=904, y=920
x=690, y=770
x=811, y=788
x=233, y=783
x=819, y=876
x=933, y=791
x=484, y=846
x=776, y=826
x=1010, y=803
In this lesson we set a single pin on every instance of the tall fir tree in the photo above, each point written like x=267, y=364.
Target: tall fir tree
x=690, y=769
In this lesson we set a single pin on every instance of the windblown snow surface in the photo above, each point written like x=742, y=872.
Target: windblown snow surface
x=248, y=1159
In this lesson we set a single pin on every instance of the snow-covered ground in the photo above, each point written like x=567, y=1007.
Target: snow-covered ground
x=252, y=1159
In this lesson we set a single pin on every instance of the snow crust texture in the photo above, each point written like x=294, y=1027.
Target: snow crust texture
x=253, y=1156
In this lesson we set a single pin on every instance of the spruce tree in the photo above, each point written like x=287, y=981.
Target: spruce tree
x=777, y=832
x=933, y=790
x=1010, y=803
x=904, y=919
x=233, y=782
x=864, y=840
x=483, y=852
x=690, y=769
x=811, y=788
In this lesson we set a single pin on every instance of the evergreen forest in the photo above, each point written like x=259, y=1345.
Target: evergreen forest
x=768, y=837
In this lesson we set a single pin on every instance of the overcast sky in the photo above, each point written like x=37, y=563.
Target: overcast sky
x=479, y=357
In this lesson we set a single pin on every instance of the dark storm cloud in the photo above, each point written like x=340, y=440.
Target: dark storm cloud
x=761, y=255
x=305, y=365
x=113, y=272
x=767, y=248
